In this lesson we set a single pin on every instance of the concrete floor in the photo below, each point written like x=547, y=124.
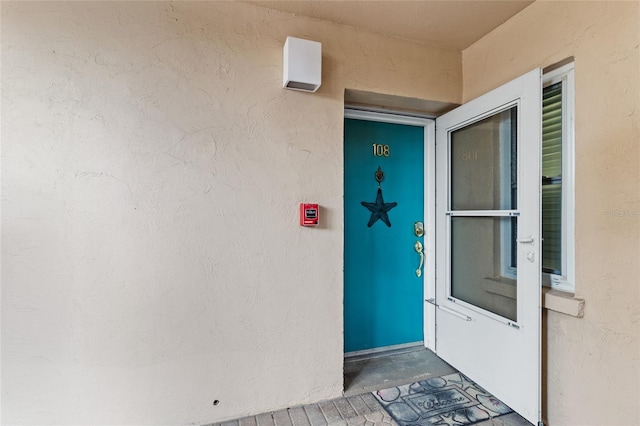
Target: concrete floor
x=363, y=375
x=374, y=372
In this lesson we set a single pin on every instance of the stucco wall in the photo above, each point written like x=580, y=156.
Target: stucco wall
x=151, y=170
x=593, y=363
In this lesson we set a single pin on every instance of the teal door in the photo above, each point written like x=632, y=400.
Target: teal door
x=384, y=198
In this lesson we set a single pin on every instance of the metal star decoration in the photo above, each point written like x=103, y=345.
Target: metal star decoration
x=379, y=209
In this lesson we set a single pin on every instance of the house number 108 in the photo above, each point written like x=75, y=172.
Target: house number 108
x=380, y=150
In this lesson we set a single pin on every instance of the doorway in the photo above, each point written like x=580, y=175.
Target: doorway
x=488, y=212
x=388, y=252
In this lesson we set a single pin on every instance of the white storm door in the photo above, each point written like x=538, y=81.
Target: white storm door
x=488, y=288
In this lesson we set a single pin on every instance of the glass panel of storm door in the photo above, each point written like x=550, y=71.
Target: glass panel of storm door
x=483, y=164
x=479, y=247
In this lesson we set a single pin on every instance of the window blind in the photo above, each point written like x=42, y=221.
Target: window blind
x=552, y=179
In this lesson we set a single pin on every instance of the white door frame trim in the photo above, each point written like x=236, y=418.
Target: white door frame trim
x=429, y=125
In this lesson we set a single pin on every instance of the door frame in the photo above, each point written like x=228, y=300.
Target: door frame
x=429, y=275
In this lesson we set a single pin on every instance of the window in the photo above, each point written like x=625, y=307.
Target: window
x=557, y=184
x=558, y=179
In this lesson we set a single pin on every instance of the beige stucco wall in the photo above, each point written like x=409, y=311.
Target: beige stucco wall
x=152, y=167
x=593, y=363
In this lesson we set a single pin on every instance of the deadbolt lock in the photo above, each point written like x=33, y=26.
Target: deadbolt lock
x=418, y=229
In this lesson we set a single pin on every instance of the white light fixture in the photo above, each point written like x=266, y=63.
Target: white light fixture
x=302, y=67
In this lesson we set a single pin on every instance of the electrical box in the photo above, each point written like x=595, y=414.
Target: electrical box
x=302, y=64
x=309, y=214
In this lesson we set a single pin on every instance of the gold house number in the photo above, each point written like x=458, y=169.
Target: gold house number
x=380, y=150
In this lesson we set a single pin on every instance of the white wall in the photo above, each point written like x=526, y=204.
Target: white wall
x=151, y=170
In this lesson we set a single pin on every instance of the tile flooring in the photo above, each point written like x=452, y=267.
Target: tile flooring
x=354, y=410
x=359, y=407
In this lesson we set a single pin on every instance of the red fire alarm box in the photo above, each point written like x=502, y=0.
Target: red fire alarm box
x=309, y=214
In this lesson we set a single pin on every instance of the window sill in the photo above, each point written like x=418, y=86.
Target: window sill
x=552, y=300
x=563, y=302
x=502, y=286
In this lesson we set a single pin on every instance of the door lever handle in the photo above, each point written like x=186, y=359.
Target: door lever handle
x=418, y=247
x=528, y=240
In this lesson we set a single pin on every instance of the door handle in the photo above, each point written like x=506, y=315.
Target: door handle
x=418, y=247
x=528, y=240
x=455, y=313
